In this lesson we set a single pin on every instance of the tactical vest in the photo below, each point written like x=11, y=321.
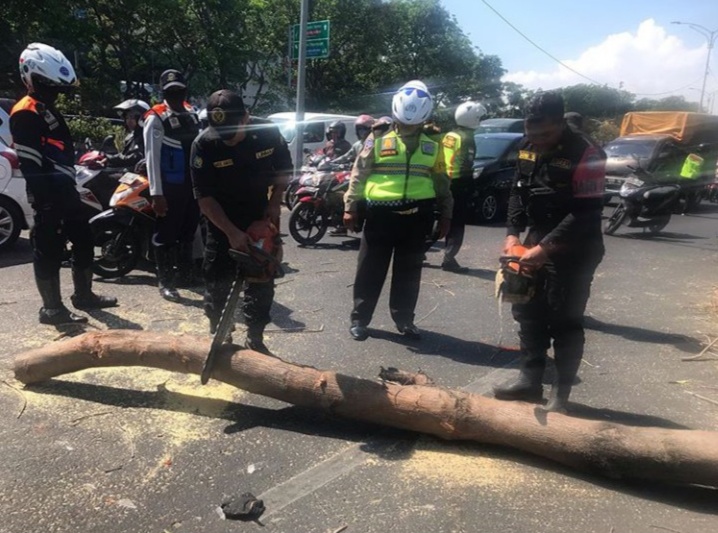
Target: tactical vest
x=180, y=130
x=692, y=167
x=398, y=179
x=545, y=181
x=57, y=147
x=459, y=151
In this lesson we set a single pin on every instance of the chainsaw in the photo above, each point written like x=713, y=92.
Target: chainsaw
x=515, y=281
x=261, y=264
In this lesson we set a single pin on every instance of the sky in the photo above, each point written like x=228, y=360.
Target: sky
x=630, y=43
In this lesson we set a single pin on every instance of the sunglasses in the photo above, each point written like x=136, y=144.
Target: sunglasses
x=421, y=93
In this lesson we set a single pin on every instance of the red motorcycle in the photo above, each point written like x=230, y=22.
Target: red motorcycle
x=319, y=205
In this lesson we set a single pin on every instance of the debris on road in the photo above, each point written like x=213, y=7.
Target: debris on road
x=245, y=507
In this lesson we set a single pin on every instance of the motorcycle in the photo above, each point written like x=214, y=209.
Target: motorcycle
x=123, y=233
x=312, y=164
x=645, y=203
x=318, y=206
x=93, y=182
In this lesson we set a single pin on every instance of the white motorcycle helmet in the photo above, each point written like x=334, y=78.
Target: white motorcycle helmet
x=41, y=64
x=133, y=104
x=468, y=115
x=412, y=104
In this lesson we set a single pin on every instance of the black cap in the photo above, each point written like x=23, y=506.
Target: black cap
x=225, y=110
x=172, y=79
x=545, y=105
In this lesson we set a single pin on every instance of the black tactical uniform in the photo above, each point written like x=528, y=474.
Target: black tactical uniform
x=238, y=177
x=558, y=197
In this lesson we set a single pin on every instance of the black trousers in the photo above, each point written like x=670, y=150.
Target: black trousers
x=455, y=237
x=386, y=235
x=180, y=223
x=52, y=229
x=556, y=313
x=220, y=271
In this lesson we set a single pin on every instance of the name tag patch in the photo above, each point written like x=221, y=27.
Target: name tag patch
x=223, y=163
x=449, y=142
x=174, y=122
x=560, y=162
x=526, y=155
x=264, y=153
x=388, y=147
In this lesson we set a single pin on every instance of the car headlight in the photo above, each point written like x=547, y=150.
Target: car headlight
x=478, y=171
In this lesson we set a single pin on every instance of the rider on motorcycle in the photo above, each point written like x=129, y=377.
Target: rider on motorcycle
x=133, y=149
x=362, y=127
x=336, y=144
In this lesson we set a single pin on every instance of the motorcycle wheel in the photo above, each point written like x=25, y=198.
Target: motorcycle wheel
x=615, y=220
x=659, y=223
x=307, y=224
x=116, y=253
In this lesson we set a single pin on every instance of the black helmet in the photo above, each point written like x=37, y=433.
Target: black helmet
x=337, y=126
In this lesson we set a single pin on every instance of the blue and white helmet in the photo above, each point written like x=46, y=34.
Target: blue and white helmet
x=412, y=104
x=44, y=65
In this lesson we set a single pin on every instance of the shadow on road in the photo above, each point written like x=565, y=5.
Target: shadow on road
x=440, y=344
x=482, y=273
x=19, y=254
x=112, y=320
x=633, y=333
x=350, y=244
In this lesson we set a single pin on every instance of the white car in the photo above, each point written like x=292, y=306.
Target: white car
x=15, y=211
x=315, y=127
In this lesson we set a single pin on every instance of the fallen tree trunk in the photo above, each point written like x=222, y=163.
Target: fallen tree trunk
x=612, y=450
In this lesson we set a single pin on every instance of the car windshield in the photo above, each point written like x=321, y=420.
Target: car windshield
x=490, y=147
x=620, y=149
x=287, y=128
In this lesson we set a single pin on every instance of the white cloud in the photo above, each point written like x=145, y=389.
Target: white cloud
x=647, y=61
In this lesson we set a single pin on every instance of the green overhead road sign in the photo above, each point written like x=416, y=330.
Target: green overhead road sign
x=317, y=40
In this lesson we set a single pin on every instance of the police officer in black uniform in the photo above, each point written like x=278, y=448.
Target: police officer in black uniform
x=234, y=163
x=47, y=155
x=558, y=197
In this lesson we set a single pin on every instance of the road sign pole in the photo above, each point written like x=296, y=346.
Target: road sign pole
x=290, y=62
x=301, y=78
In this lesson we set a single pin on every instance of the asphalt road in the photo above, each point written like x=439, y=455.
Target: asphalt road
x=143, y=450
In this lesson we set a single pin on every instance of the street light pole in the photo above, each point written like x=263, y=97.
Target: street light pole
x=710, y=36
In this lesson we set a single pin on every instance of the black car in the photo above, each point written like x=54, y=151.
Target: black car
x=494, y=169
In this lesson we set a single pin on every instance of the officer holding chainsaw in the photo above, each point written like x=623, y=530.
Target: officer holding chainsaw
x=557, y=199
x=234, y=163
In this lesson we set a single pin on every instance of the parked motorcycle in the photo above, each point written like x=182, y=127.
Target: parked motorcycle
x=318, y=206
x=93, y=182
x=311, y=166
x=645, y=203
x=123, y=233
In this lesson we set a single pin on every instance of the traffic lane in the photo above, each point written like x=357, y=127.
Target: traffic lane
x=303, y=453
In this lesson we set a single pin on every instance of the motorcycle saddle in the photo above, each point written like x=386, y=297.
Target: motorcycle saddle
x=660, y=192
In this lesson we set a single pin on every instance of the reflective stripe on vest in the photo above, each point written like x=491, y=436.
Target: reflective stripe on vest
x=692, y=167
x=451, y=145
x=394, y=180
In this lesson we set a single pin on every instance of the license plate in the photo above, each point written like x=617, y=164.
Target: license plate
x=128, y=178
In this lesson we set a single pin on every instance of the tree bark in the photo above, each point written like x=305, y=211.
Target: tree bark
x=607, y=449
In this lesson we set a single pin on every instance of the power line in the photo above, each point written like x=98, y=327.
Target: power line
x=570, y=68
x=539, y=47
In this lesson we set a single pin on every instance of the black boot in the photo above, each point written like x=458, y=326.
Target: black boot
x=52, y=311
x=84, y=298
x=165, y=273
x=558, y=400
x=185, y=266
x=527, y=386
x=255, y=340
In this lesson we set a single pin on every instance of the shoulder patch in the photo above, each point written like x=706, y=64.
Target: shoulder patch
x=527, y=155
x=368, y=146
x=197, y=162
x=223, y=163
x=264, y=153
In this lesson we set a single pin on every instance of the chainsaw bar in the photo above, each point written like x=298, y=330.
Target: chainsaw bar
x=224, y=328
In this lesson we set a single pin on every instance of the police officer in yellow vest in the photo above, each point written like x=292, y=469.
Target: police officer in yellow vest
x=691, y=173
x=401, y=175
x=459, y=149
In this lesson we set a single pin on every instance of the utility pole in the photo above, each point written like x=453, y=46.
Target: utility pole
x=301, y=79
x=710, y=36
